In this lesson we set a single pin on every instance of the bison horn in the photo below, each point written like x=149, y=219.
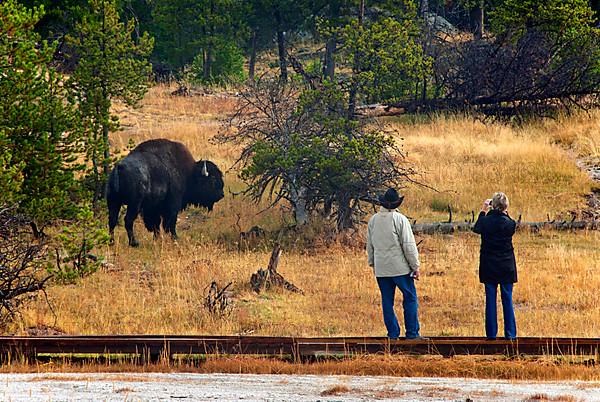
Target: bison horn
x=204, y=170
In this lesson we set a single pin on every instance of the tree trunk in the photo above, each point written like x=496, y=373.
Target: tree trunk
x=329, y=67
x=477, y=20
x=355, y=68
x=95, y=166
x=207, y=63
x=282, y=58
x=344, y=212
x=331, y=44
x=595, y=5
x=423, y=7
x=298, y=200
x=252, y=61
x=106, y=151
x=105, y=162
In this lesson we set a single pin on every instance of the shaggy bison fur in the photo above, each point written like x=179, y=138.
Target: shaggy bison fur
x=158, y=179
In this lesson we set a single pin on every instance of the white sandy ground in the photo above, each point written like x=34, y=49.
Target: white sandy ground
x=247, y=387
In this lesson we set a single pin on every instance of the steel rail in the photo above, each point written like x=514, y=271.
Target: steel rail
x=154, y=346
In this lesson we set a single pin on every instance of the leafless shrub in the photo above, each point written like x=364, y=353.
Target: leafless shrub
x=507, y=76
x=22, y=269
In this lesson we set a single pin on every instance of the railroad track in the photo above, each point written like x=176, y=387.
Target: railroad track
x=154, y=347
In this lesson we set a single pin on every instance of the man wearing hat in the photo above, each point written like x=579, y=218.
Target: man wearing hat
x=393, y=254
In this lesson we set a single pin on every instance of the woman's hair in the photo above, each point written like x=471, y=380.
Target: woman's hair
x=500, y=201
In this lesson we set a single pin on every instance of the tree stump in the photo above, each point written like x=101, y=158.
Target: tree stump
x=264, y=279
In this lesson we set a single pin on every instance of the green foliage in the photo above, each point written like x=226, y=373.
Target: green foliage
x=75, y=243
x=39, y=129
x=186, y=28
x=348, y=155
x=112, y=65
x=382, y=51
x=227, y=65
x=11, y=178
x=564, y=18
x=439, y=204
x=176, y=31
x=314, y=67
x=570, y=36
x=301, y=147
x=59, y=15
x=391, y=60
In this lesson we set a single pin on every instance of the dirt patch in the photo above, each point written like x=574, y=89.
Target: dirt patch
x=44, y=330
x=592, y=212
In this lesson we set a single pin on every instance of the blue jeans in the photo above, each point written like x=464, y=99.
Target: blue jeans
x=491, y=320
x=406, y=284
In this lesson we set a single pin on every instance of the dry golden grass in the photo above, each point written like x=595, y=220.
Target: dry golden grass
x=467, y=161
x=543, y=369
x=580, y=133
x=159, y=287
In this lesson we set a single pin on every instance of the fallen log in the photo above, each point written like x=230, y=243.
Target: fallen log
x=452, y=227
x=379, y=110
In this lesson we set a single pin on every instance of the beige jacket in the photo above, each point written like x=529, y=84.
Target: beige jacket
x=391, y=246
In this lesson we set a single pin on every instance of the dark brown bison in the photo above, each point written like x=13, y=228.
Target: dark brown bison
x=159, y=178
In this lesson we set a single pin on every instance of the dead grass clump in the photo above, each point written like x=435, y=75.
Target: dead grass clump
x=335, y=390
x=125, y=390
x=386, y=394
x=547, y=398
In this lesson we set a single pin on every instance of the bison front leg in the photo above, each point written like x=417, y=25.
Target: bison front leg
x=169, y=223
x=152, y=221
x=132, y=213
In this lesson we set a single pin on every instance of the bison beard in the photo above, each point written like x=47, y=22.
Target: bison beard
x=159, y=178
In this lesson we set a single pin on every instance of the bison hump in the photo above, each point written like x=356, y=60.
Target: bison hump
x=174, y=155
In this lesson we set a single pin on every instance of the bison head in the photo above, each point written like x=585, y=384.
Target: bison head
x=206, y=185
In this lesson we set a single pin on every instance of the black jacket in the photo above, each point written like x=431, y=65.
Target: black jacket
x=497, y=256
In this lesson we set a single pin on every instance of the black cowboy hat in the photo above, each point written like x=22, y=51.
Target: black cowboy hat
x=391, y=199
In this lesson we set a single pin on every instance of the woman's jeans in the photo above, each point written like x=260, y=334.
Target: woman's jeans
x=406, y=284
x=491, y=320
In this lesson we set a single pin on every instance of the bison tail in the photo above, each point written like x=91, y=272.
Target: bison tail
x=113, y=180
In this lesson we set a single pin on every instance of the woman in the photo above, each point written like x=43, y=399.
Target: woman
x=497, y=265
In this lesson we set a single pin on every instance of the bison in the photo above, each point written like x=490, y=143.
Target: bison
x=159, y=178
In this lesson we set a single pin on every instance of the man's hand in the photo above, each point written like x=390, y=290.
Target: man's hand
x=415, y=274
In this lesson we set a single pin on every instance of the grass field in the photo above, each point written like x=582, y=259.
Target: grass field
x=159, y=287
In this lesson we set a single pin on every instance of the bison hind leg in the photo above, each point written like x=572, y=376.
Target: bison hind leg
x=130, y=215
x=113, y=217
